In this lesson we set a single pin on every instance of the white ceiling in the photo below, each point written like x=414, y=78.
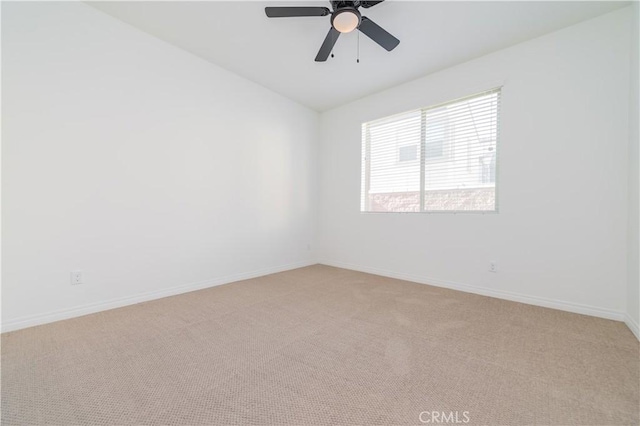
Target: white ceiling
x=279, y=53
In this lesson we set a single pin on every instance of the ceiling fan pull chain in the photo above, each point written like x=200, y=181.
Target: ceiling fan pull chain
x=358, y=56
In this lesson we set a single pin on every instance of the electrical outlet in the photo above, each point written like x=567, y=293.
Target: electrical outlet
x=493, y=267
x=76, y=277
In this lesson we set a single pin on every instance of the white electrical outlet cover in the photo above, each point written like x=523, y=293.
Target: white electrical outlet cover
x=76, y=277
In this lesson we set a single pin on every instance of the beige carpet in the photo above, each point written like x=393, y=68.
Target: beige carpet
x=322, y=345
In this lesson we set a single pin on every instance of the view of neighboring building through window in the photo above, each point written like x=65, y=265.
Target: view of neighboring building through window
x=408, y=153
x=439, y=158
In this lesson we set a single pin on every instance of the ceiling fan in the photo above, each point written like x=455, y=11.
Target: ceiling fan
x=345, y=18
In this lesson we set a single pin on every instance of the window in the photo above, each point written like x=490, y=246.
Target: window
x=437, y=159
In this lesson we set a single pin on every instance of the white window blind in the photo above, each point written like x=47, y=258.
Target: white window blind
x=436, y=159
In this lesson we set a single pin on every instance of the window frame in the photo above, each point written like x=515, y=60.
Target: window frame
x=366, y=149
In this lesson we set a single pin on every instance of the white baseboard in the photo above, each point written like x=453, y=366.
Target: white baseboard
x=633, y=326
x=30, y=321
x=515, y=297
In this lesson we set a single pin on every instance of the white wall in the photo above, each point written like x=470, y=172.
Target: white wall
x=560, y=238
x=140, y=164
x=633, y=284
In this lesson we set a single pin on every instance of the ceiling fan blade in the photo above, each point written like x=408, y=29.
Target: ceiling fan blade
x=327, y=45
x=369, y=3
x=290, y=12
x=376, y=33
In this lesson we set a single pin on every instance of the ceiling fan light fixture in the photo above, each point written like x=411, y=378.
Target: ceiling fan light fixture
x=346, y=20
